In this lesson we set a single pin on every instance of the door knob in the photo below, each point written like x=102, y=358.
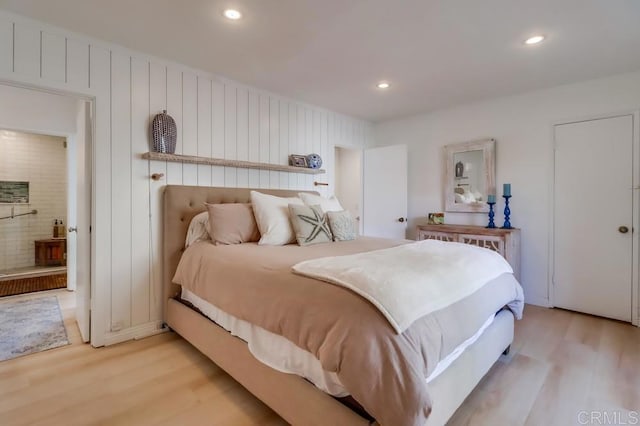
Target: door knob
x=72, y=229
x=401, y=219
x=623, y=229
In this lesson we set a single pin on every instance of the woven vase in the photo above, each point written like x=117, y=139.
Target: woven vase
x=164, y=133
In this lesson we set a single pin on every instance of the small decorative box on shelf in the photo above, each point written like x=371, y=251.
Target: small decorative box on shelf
x=504, y=241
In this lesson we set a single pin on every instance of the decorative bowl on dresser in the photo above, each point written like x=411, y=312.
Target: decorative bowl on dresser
x=504, y=241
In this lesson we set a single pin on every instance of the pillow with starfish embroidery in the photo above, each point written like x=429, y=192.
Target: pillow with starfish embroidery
x=310, y=225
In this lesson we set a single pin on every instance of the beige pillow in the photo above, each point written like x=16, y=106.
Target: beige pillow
x=232, y=223
x=310, y=225
x=330, y=204
x=272, y=216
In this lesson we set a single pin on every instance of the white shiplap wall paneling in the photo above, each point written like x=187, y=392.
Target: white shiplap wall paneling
x=215, y=117
x=317, y=148
x=174, y=109
x=100, y=82
x=301, y=142
x=254, y=137
x=140, y=245
x=218, y=120
x=121, y=187
x=54, y=53
x=77, y=64
x=242, y=135
x=204, y=129
x=324, y=142
x=6, y=45
x=274, y=141
x=283, y=152
x=157, y=103
x=26, y=53
x=293, y=141
x=264, y=138
x=230, y=152
x=189, y=126
x=308, y=180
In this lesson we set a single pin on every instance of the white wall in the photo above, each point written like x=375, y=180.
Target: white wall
x=41, y=161
x=38, y=112
x=522, y=126
x=215, y=117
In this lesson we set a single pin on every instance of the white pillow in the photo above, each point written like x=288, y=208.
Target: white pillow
x=272, y=216
x=198, y=229
x=330, y=204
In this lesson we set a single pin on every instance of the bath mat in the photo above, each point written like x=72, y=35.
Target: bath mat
x=30, y=326
x=28, y=285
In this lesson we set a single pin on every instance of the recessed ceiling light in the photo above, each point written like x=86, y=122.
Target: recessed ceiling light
x=232, y=14
x=534, y=40
x=383, y=85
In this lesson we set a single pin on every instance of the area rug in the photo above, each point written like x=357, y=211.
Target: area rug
x=28, y=285
x=30, y=326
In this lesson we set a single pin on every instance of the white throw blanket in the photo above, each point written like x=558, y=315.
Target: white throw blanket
x=410, y=281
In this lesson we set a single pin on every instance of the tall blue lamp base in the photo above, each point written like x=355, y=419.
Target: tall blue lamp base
x=491, y=224
x=507, y=213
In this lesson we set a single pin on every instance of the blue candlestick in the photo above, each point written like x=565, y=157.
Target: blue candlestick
x=491, y=215
x=507, y=212
x=506, y=189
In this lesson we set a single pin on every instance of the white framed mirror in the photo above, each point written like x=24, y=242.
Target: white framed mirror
x=469, y=175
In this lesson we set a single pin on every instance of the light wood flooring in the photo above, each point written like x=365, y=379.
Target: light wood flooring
x=561, y=363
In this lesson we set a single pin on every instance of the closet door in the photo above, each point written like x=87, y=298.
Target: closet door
x=593, y=216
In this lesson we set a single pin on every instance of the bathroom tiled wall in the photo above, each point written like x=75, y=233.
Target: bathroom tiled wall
x=40, y=160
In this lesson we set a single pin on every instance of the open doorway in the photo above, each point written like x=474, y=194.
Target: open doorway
x=33, y=212
x=348, y=175
x=45, y=216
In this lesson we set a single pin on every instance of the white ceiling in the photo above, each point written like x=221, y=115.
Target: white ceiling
x=436, y=53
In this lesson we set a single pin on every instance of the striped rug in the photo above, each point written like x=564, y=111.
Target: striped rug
x=28, y=285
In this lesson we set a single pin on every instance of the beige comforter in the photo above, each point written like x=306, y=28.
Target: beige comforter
x=384, y=371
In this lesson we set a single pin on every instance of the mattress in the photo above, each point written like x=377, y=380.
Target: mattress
x=281, y=354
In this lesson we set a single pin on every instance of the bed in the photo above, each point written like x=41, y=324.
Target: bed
x=294, y=398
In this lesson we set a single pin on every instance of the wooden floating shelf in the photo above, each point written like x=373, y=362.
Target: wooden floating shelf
x=191, y=159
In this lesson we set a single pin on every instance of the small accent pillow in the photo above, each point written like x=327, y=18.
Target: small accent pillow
x=272, y=216
x=342, y=225
x=330, y=204
x=198, y=229
x=310, y=224
x=232, y=223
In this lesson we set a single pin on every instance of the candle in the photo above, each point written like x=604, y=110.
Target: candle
x=491, y=198
x=506, y=190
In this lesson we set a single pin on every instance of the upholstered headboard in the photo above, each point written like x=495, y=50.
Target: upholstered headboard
x=181, y=204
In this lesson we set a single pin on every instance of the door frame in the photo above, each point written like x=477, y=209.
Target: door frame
x=635, y=273
x=93, y=332
x=361, y=152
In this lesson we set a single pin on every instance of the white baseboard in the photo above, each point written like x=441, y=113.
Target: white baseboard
x=134, y=333
x=537, y=301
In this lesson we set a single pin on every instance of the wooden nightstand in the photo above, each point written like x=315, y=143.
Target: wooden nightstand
x=51, y=252
x=504, y=241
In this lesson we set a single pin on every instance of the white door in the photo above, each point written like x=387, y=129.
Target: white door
x=385, y=192
x=593, y=217
x=79, y=236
